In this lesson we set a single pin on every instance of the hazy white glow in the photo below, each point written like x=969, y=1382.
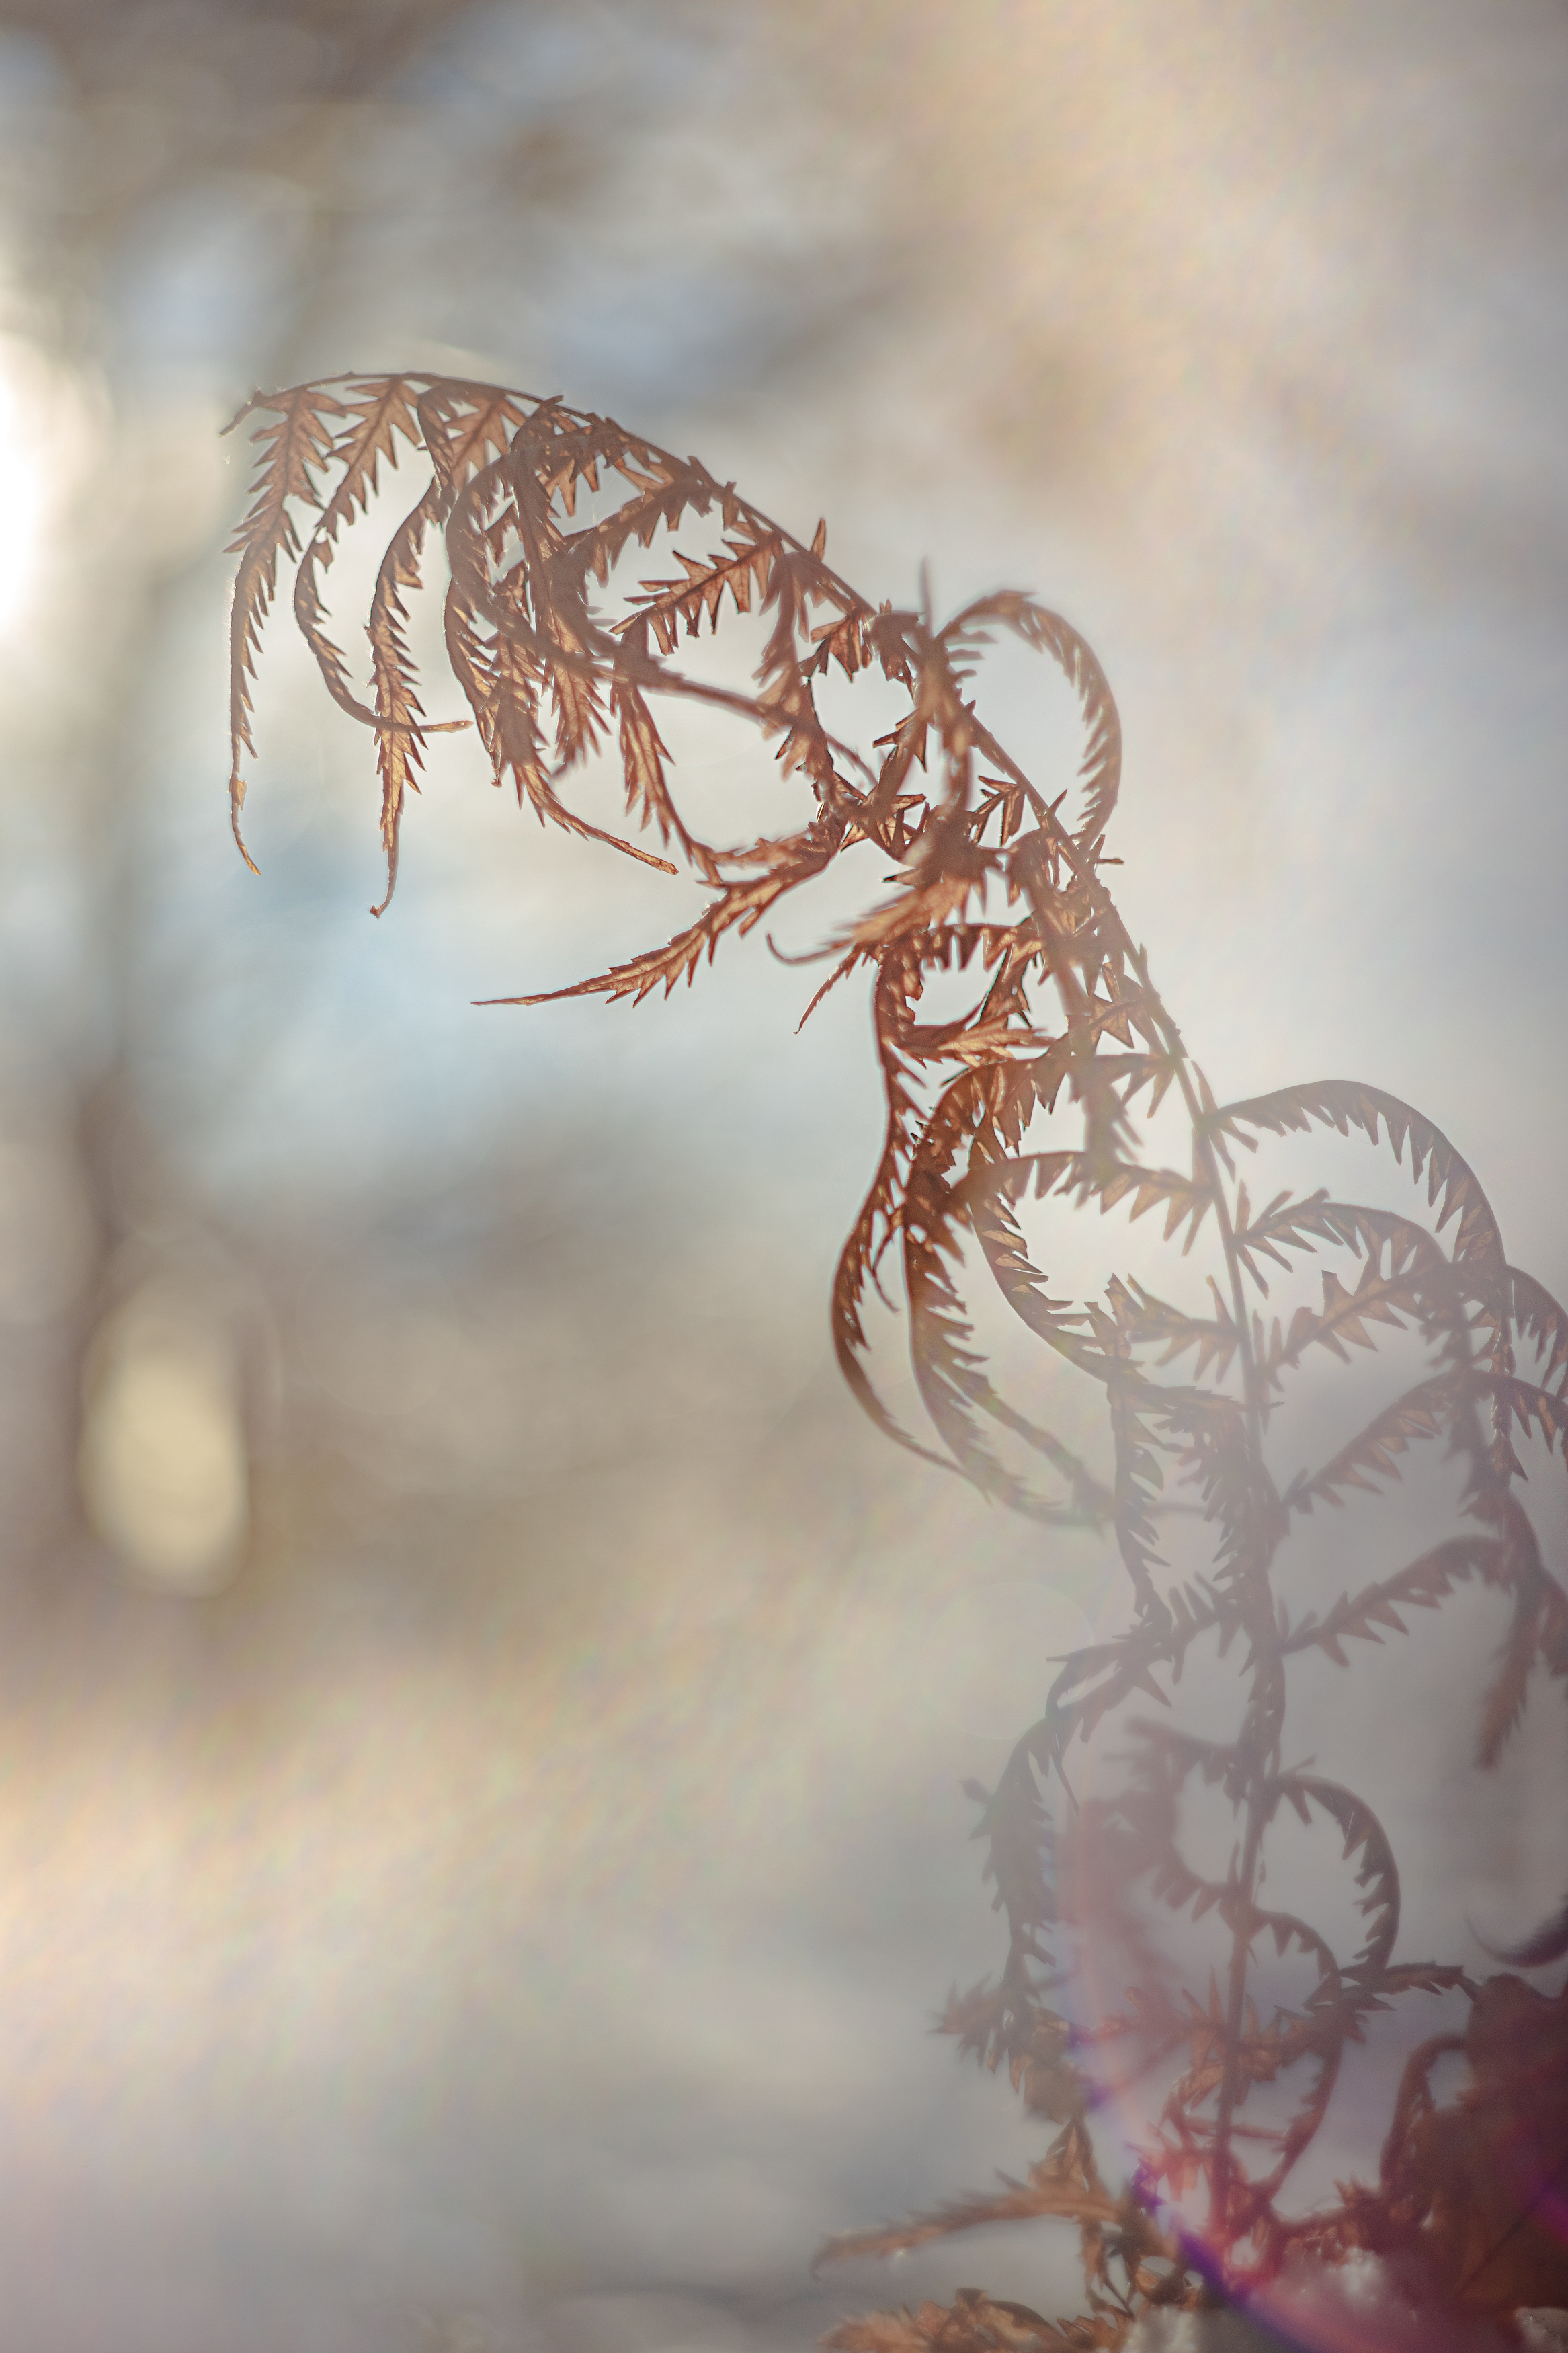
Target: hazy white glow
x=163, y=1467
x=25, y=471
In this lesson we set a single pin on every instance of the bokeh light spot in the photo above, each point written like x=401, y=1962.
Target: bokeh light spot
x=164, y=1465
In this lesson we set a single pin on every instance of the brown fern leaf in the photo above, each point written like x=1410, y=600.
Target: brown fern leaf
x=919, y=1153
x=1140, y=1473
x=379, y=407
x=1543, y=1323
x=1423, y=1584
x=462, y=425
x=916, y=1204
x=1153, y=1323
x=1343, y=1104
x=983, y=1106
x=1365, y=1838
x=1099, y=775
x=648, y=797
x=580, y=721
x=295, y=449
x=502, y=675
x=1532, y=1407
x=739, y=908
x=1016, y=1829
x=1290, y=1224
x=1285, y=1224
x=879, y=1213
x=503, y=683
x=1008, y=2022
x=1187, y=1200
x=985, y=1196
x=664, y=605
x=400, y=735
x=563, y=634
x=990, y=1032
x=1131, y=1073
x=665, y=496
x=1065, y=2185
x=975, y=2323
x=1423, y=1412
x=1341, y=1323
x=1098, y=1679
x=1413, y=2101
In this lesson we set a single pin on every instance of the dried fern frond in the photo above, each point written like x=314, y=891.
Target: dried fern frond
x=1020, y=1039
x=297, y=439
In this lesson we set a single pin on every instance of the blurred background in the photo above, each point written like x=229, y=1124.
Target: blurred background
x=482, y=1716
